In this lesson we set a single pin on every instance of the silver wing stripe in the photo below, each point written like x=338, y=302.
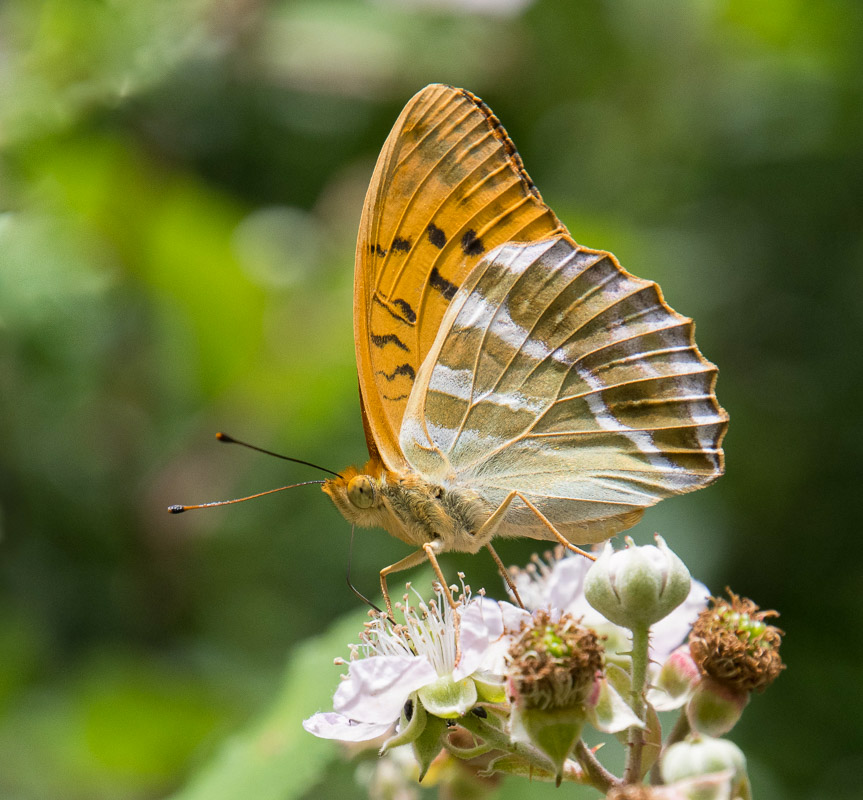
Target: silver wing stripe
x=558, y=374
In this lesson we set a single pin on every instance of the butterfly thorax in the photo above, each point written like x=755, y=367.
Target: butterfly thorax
x=409, y=507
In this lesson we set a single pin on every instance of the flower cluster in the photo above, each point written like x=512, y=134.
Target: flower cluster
x=485, y=682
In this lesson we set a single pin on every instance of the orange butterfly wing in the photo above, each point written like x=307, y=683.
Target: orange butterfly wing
x=448, y=187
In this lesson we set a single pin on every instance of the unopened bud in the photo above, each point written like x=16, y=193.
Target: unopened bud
x=698, y=757
x=637, y=586
x=676, y=681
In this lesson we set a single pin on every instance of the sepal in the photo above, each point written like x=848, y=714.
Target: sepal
x=511, y=764
x=448, y=698
x=609, y=712
x=490, y=688
x=412, y=722
x=553, y=732
x=428, y=744
x=714, y=709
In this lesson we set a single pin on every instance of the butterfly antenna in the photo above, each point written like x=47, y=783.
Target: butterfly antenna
x=353, y=588
x=223, y=437
x=181, y=509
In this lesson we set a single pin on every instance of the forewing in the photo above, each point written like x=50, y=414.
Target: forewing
x=558, y=374
x=448, y=187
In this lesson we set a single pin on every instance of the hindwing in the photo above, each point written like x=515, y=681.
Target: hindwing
x=558, y=374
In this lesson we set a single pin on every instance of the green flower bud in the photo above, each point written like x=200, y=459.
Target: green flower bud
x=714, y=709
x=695, y=757
x=637, y=586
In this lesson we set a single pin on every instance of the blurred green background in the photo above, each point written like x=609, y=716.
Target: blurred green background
x=180, y=186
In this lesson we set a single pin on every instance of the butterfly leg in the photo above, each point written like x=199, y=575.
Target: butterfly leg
x=555, y=532
x=486, y=532
x=406, y=563
x=431, y=550
x=505, y=574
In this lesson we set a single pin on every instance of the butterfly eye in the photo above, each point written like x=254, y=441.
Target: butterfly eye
x=361, y=492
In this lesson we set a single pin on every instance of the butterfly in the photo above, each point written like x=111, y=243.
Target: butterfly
x=512, y=382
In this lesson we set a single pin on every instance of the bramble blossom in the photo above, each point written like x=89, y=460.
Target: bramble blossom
x=393, y=664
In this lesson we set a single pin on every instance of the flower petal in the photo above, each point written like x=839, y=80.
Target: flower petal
x=376, y=688
x=484, y=625
x=670, y=631
x=565, y=587
x=611, y=714
x=335, y=726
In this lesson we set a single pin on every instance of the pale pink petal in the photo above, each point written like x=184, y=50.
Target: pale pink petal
x=565, y=586
x=513, y=617
x=485, y=640
x=669, y=632
x=335, y=726
x=484, y=625
x=376, y=688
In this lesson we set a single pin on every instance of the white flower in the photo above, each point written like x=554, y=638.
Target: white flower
x=559, y=584
x=393, y=664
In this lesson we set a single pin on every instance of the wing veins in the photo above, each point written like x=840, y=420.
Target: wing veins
x=639, y=381
x=483, y=231
x=527, y=435
x=416, y=192
x=479, y=350
x=610, y=432
x=435, y=126
x=453, y=239
x=529, y=333
x=535, y=493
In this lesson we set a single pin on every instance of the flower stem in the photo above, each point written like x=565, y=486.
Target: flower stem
x=500, y=741
x=635, y=741
x=678, y=734
x=600, y=777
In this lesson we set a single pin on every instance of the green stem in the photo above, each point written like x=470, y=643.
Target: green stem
x=500, y=741
x=600, y=777
x=595, y=775
x=635, y=741
x=678, y=734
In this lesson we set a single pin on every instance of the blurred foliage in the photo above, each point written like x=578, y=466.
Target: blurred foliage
x=180, y=185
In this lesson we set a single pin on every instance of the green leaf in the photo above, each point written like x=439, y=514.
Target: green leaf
x=275, y=759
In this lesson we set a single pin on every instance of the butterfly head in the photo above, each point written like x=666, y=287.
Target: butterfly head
x=357, y=495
